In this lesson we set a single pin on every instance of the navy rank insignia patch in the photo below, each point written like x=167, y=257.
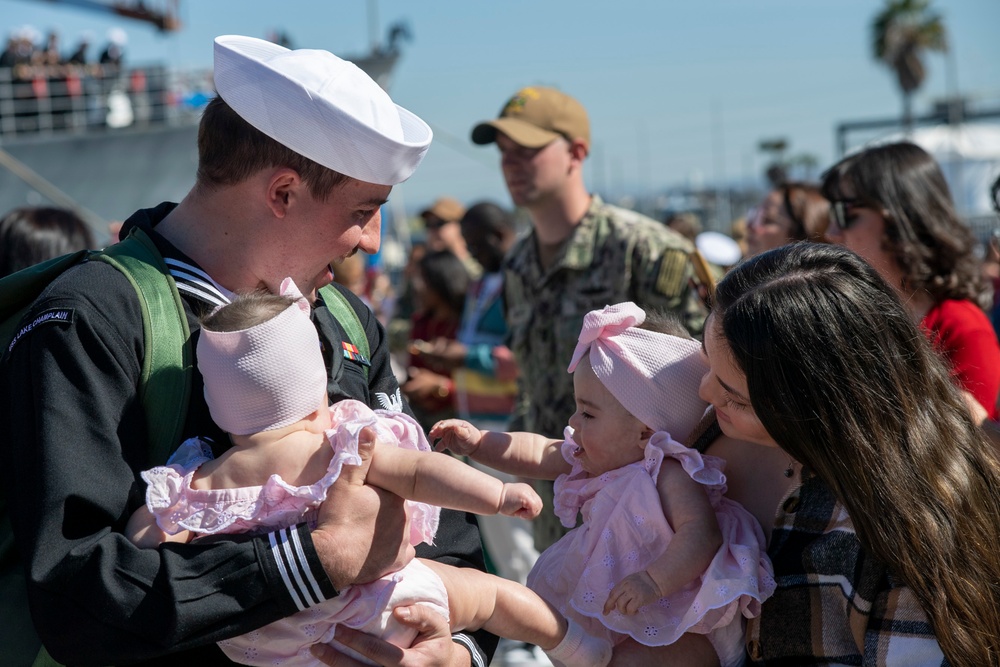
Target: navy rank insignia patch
x=352, y=353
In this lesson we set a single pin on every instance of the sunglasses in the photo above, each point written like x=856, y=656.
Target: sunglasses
x=840, y=215
x=435, y=223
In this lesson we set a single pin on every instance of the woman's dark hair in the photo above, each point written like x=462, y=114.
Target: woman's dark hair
x=843, y=380
x=31, y=235
x=230, y=150
x=934, y=249
x=445, y=275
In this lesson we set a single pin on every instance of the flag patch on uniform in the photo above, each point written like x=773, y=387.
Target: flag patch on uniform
x=352, y=353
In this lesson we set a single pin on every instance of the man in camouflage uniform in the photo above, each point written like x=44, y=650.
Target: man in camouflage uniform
x=580, y=255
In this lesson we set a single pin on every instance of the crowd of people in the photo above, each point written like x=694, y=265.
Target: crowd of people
x=30, y=54
x=45, y=86
x=772, y=447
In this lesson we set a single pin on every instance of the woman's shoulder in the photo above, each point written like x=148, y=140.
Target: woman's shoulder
x=956, y=313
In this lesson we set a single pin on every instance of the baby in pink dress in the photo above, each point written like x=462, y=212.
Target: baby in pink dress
x=265, y=384
x=661, y=551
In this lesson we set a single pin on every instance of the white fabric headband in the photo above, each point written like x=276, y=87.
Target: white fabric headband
x=265, y=377
x=654, y=376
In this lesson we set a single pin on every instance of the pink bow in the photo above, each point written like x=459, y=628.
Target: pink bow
x=603, y=324
x=655, y=376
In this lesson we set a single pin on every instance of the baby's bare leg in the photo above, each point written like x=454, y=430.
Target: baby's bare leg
x=508, y=609
x=505, y=608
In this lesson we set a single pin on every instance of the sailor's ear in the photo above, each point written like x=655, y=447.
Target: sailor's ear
x=284, y=185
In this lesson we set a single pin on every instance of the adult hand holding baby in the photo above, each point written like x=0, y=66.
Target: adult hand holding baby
x=351, y=517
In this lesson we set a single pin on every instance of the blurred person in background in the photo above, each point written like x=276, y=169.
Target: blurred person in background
x=439, y=288
x=791, y=212
x=891, y=205
x=441, y=221
x=686, y=224
x=30, y=235
x=114, y=53
x=738, y=230
x=480, y=364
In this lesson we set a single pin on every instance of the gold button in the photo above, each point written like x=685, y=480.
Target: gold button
x=791, y=505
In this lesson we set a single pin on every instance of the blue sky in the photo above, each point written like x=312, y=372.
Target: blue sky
x=678, y=92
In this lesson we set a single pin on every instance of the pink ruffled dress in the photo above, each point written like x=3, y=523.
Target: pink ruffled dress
x=624, y=529
x=276, y=504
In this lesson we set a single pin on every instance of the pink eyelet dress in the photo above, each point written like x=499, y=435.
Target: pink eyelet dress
x=624, y=529
x=366, y=607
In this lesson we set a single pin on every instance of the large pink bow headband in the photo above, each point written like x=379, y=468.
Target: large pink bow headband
x=265, y=377
x=654, y=376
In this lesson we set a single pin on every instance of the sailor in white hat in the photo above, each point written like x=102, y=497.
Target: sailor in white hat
x=295, y=158
x=298, y=153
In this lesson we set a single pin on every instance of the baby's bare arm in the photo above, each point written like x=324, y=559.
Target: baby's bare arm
x=696, y=540
x=443, y=480
x=519, y=453
x=143, y=531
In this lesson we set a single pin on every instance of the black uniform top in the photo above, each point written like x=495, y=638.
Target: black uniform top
x=75, y=433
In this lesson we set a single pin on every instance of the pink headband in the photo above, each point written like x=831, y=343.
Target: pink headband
x=265, y=377
x=654, y=376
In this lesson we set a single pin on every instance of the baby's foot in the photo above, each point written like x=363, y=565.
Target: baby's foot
x=578, y=649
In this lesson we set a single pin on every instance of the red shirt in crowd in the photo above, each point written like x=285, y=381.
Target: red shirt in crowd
x=961, y=331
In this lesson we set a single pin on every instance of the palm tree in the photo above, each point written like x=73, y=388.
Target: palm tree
x=901, y=33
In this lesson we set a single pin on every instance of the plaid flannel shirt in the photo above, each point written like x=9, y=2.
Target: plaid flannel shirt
x=835, y=603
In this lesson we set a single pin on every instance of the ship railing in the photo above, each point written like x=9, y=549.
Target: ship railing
x=45, y=101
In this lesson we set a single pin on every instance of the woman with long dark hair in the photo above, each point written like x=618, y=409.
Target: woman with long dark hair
x=891, y=205
x=884, y=542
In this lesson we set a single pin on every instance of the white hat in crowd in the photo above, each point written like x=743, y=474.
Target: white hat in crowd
x=718, y=248
x=117, y=36
x=322, y=107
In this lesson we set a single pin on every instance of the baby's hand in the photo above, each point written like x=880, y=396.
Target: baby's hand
x=633, y=592
x=520, y=500
x=456, y=435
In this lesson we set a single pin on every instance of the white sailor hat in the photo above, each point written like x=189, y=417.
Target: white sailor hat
x=322, y=107
x=718, y=248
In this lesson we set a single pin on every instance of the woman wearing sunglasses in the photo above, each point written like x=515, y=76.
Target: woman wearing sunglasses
x=792, y=212
x=891, y=205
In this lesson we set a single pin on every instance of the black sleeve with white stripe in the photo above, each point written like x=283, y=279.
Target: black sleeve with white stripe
x=478, y=657
x=289, y=557
x=292, y=565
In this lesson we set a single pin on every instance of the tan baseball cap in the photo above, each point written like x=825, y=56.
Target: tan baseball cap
x=535, y=117
x=445, y=208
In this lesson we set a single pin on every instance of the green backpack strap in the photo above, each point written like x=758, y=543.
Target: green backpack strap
x=165, y=383
x=338, y=304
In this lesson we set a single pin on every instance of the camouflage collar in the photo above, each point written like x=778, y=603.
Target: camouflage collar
x=577, y=252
